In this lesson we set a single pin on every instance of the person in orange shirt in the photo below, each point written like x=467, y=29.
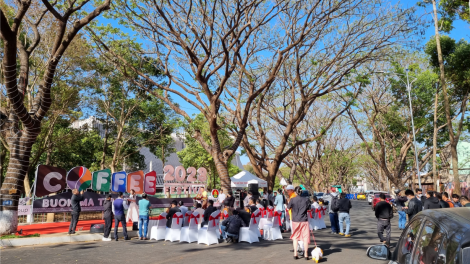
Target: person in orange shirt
x=445, y=197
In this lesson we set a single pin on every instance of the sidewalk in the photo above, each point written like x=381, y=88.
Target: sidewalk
x=53, y=233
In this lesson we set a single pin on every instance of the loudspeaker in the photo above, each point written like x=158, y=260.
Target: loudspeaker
x=97, y=228
x=253, y=188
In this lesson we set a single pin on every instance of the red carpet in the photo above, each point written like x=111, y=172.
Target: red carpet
x=51, y=228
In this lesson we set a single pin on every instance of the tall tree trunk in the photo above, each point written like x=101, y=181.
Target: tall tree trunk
x=452, y=139
x=219, y=160
x=49, y=153
x=13, y=185
x=105, y=144
x=434, y=144
x=292, y=173
x=3, y=153
x=116, y=149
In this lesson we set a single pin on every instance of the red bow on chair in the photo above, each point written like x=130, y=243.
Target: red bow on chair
x=323, y=209
x=214, y=218
x=278, y=215
x=270, y=212
x=225, y=215
x=310, y=213
x=261, y=213
x=177, y=218
x=195, y=217
x=160, y=217
x=318, y=211
x=254, y=218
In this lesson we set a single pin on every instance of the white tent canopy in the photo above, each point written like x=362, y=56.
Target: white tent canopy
x=242, y=179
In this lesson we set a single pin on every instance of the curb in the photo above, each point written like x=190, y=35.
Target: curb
x=21, y=242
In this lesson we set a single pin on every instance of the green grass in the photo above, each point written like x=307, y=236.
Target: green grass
x=17, y=236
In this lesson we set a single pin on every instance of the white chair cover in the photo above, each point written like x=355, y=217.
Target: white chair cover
x=174, y=233
x=272, y=230
x=158, y=231
x=249, y=234
x=311, y=221
x=208, y=234
x=186, y=218
x=189, y=233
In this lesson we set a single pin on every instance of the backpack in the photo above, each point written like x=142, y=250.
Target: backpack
x=335, y=204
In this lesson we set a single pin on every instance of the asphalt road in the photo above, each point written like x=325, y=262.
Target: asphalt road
x=337, y=249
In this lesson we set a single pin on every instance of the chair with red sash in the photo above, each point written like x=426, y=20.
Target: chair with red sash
x=158, y=231
x=250, y=234
x=272, y=230
x=174, y=232
x=323, y=211
x=311, y=219
x=189, y=233
x=186, y=218
x=270, y=213
x=209, y=234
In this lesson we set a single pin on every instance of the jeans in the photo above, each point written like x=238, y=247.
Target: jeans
x=334, y=222
x=120, y=219
x=344, y=217
x=401, y=220
x=73, y=222
x=233, y=236
x=143, y=219
x=108, y=223
x=223, y=229
x=381, y=226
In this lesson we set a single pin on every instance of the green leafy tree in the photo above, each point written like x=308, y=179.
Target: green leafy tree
x=194, y=155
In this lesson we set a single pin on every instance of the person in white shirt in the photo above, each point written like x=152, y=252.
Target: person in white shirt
x=221, y=197
x=247, y=199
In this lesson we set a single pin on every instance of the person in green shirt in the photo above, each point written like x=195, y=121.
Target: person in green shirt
x=144, y=207
x=464, y=201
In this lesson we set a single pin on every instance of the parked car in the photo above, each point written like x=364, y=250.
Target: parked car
x=371, y=195
x=440, y=236
x=361, y=196
x=319, y=195
x=376, y=199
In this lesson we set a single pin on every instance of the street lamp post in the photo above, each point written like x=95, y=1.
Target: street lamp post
x=408, y=88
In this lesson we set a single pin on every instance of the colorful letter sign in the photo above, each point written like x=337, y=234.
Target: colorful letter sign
x=150, y=182
x=119, y=182
x=135, y=181
x=79, y=178
x=101, y=180
x=49, y=180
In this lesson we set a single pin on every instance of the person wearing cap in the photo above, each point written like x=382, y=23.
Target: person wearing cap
x=108, y=217
x=298, y=207
x=334, y=219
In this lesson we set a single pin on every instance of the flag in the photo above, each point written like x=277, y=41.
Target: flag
x=49, y=180
x=101, y=180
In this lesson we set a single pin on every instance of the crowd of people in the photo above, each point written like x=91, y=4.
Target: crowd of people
x=291, y=200
x=409, y=204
